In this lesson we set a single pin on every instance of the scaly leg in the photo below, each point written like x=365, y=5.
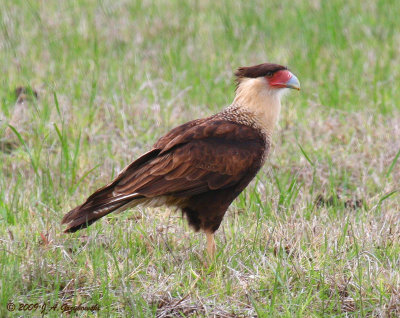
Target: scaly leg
x=210, y=245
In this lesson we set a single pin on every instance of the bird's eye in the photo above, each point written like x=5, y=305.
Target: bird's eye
x=269, y=74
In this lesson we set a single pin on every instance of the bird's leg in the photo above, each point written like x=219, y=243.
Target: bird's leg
x=210, y=244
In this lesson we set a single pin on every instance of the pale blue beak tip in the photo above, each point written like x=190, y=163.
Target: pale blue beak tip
x=293, y=82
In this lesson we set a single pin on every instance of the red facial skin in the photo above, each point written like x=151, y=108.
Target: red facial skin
x=279, y=79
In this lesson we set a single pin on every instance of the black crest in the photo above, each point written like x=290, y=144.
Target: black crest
x=266, y=69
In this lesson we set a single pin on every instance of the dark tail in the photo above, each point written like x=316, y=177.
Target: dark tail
x=99, y=204
x=105, y=200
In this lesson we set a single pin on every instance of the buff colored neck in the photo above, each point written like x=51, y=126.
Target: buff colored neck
x=254, y=96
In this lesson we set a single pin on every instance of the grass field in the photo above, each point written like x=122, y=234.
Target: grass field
x=315, y=235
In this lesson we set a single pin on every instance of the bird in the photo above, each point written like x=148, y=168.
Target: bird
x=201, y=166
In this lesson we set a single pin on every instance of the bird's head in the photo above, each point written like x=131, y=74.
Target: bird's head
x=260, y=88
x=268, y=76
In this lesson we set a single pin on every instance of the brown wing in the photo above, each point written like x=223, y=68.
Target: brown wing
x=191, y=159
x=196, y=157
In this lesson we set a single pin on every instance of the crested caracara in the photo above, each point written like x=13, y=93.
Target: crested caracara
x=203, y=165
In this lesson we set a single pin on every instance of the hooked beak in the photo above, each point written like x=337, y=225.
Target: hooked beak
x=293, y=82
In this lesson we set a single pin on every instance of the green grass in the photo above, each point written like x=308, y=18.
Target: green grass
x=316, y=235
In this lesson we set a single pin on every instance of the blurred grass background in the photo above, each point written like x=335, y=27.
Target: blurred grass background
x=113, y=76
x=339, y=48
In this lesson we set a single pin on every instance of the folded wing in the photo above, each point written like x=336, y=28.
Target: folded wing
x=191, y=159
